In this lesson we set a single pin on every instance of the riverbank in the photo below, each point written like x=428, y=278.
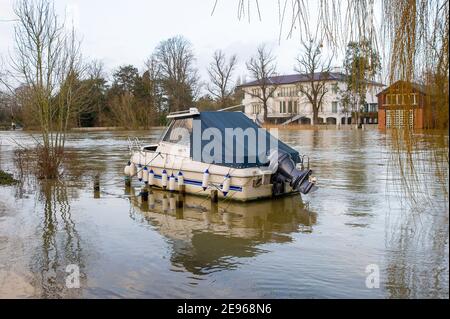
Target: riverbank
x=298, y=127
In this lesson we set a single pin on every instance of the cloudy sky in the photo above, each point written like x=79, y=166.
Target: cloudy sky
x=121, y=32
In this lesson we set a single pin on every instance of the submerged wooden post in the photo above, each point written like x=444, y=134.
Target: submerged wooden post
x=214, y=210
x=127, y=181
x=97, y=186
x=97, y=183
x=182, y=189
x=180, y=200
x=179, y=212
x=144, y=194
x=214, y=196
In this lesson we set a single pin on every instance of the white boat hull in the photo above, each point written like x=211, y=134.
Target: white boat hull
x=245, y=183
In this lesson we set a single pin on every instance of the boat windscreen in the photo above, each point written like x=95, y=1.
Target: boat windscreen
x=179, y=132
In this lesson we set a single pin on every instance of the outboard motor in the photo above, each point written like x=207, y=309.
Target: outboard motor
x=285, y=171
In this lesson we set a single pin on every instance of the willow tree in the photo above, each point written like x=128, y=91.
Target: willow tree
x=47, y=61
x=415, y=38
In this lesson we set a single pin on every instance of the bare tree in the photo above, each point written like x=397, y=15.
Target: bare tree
x=220, y=72
x=311, y=64
x=47, y=62
x=262, y=67
x=179, y=76
x=153, y=76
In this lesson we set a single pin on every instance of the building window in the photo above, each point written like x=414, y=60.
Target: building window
x=256, y=108
x=255, y=92
x=290, y=107
x=283, y=107
x=293, y=91
x=391, y=99
x=409, y=99
x=401, y=99
x=334, y=107
x=295, y=107
x=335, y=88
x=399, y=118
x=373, y=107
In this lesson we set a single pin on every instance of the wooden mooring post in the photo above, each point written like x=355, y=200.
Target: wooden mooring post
x=214, y=196
x=182, y=189
x=127, y=181
x=144, y=194
x=180, y=200
x=97, y=186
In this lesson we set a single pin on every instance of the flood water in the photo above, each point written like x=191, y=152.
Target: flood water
x=317, y=246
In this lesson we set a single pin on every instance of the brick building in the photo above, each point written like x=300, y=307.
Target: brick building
x=404, y=104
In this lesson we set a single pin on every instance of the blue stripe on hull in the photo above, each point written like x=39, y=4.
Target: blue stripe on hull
x=199, y=183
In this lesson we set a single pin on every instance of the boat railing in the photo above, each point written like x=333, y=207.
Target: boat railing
x=134, y=144
x=190, y=112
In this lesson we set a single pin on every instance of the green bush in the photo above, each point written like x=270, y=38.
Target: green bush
x=6, y=178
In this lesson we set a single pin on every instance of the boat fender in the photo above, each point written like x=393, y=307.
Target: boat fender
x=145, y=175
x=126, y=170
x=205, y=179
x=139, y=173
x=164, y=179
x=226, y=185
x=172, y=183
x=132, y=169
x=151, y=177
x=180, y=179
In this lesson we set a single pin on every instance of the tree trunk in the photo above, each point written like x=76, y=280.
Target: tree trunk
x=315, y=115
x=265, y=111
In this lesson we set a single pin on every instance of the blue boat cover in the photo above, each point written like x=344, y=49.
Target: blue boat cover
x=236, y=150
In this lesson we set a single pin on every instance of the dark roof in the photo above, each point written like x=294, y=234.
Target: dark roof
x=416, y=86
x=295, y=78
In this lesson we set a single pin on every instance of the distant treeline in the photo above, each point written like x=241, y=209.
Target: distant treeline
x=130, y=98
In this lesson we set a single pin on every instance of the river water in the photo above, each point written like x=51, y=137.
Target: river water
x=332, y=243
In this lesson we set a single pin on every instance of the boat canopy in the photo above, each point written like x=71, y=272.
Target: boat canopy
x=229, y=139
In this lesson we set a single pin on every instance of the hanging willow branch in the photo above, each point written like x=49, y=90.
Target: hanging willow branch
x=413, y=37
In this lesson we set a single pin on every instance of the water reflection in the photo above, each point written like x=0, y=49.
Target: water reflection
x=160, y=248
x=207, y=237
x=417, y=249
x=60, y=243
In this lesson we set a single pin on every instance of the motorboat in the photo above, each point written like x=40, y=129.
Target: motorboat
x=223, y=154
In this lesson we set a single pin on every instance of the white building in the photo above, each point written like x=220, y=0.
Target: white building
x=288, y=105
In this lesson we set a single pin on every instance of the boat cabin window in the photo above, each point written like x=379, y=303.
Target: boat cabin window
x=179, y=132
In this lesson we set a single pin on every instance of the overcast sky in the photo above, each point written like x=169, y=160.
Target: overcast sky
x=121, y=32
